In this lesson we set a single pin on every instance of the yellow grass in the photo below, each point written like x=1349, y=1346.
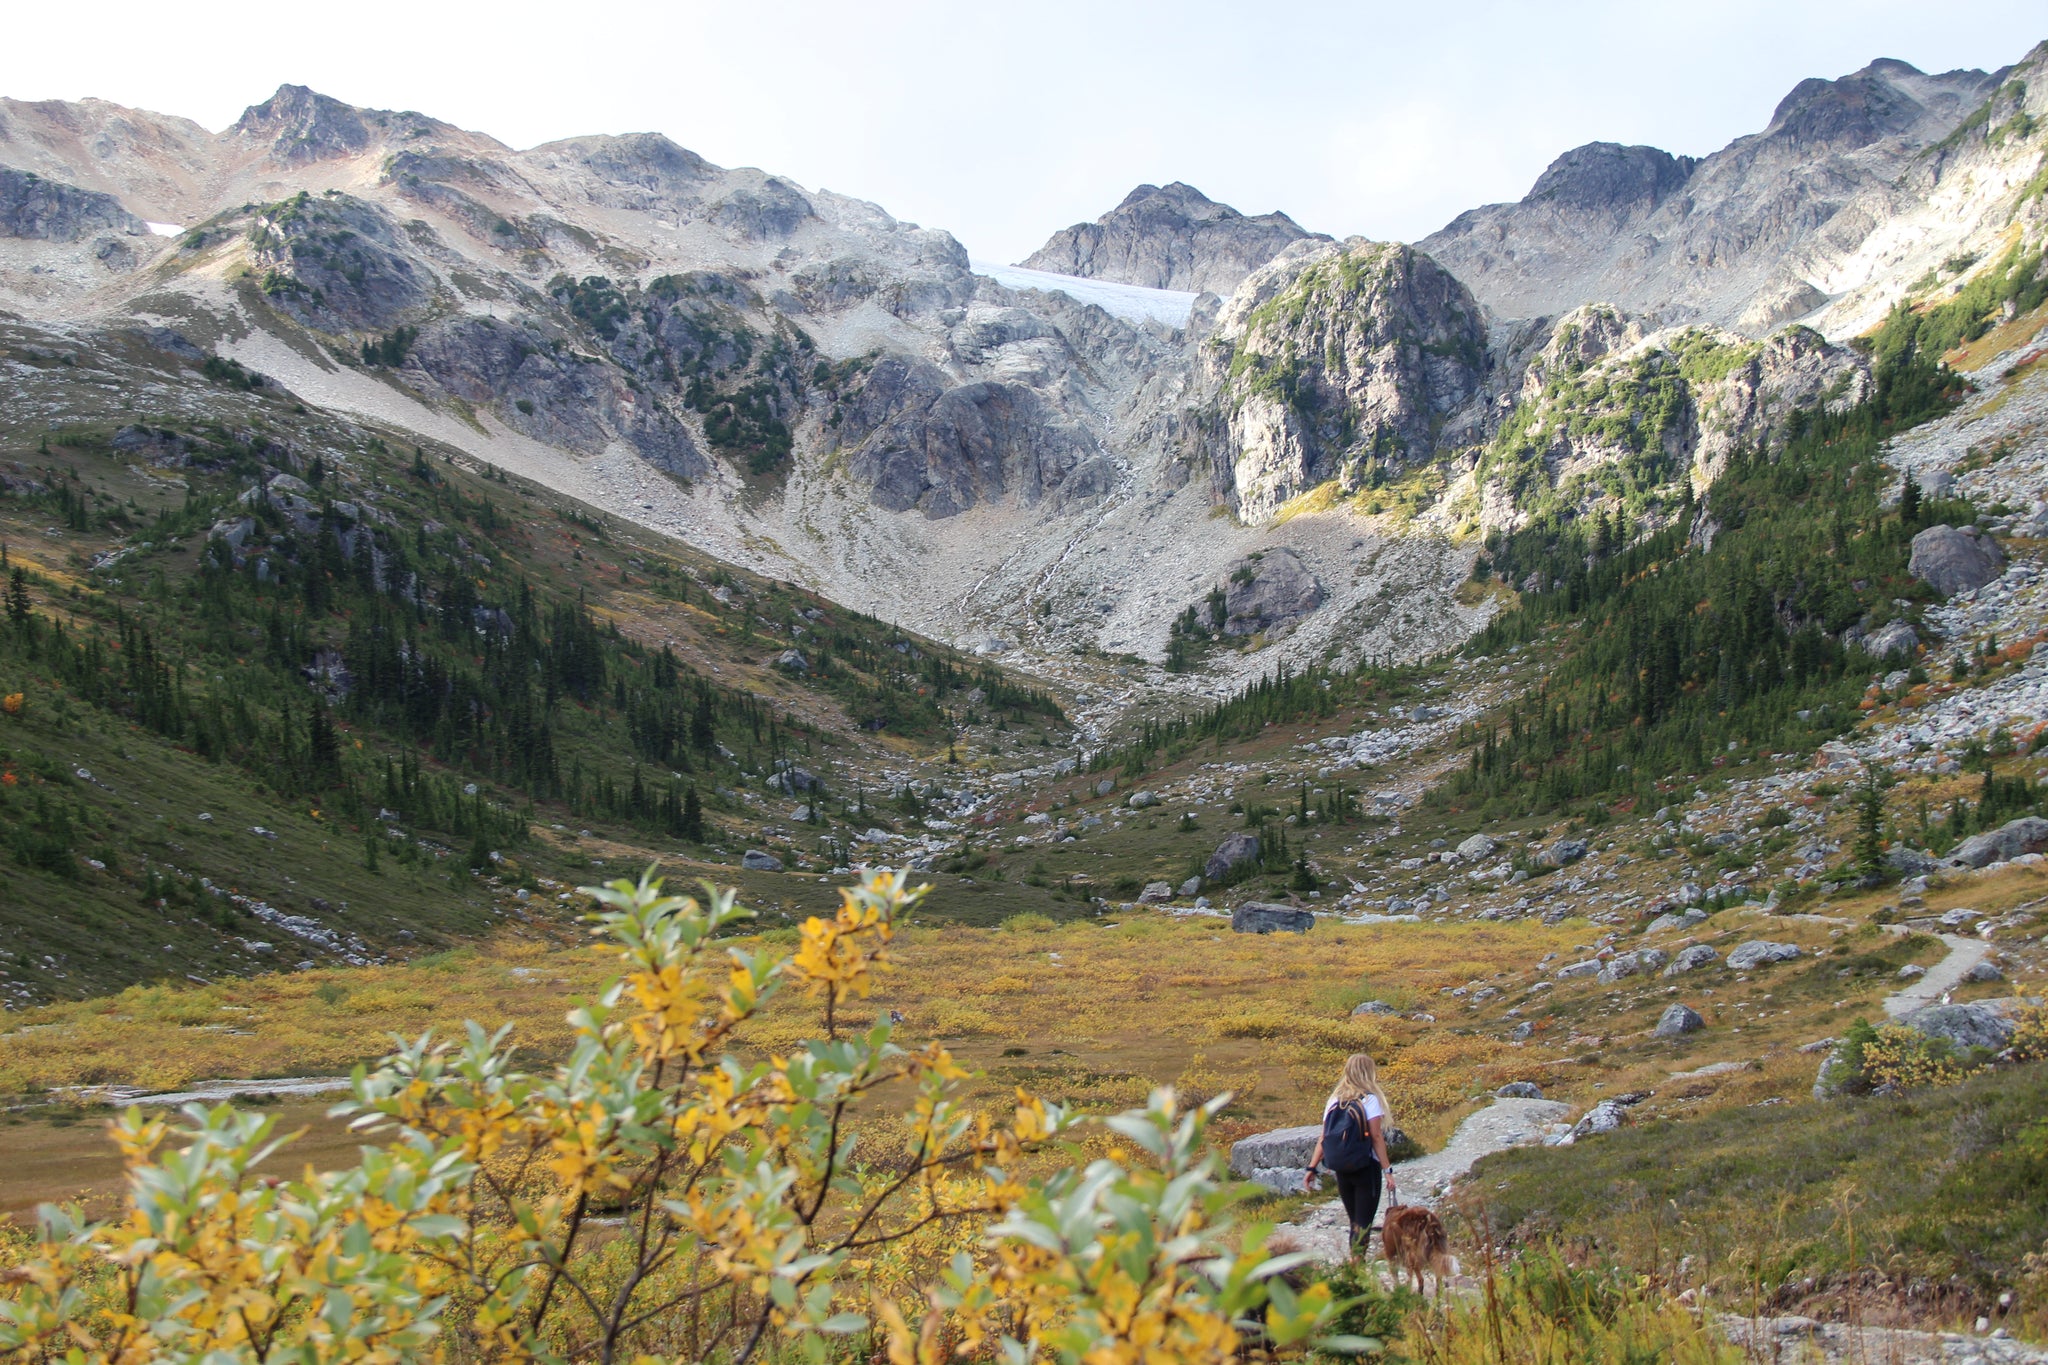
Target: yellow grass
x=1084, y=1014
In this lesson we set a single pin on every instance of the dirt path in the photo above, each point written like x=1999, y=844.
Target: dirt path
x=1322, y=1231
x=1942, y=977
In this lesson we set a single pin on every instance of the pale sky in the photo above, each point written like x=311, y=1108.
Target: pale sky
x=1004, y=122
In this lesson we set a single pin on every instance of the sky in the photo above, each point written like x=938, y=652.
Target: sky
x=1005, y=122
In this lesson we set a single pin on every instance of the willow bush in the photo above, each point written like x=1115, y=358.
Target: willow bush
x=654, y=1197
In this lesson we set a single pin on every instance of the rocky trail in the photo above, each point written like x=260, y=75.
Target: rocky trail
x=1943, y=977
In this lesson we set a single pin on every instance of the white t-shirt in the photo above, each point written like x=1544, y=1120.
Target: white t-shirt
x=1373, y=1108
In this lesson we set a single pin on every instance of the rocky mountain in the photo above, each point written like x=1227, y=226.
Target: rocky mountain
x=1339, y=364
x=1173, y=237
x=1762, y=232
x=798, y=383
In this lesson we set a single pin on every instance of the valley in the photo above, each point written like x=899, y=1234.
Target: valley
x=1599, y=650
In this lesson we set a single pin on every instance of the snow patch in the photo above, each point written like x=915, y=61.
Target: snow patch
x=1131, y=302
x=162, y=229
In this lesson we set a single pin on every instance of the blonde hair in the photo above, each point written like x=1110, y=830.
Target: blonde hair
x=1359, y=1079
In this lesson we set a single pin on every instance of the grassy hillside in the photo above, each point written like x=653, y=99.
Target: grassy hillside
x=277, y=681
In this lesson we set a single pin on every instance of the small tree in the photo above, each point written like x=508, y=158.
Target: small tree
x=1869, y=846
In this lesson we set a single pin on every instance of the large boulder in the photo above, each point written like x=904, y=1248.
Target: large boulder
x=1677, y=1021
x=1565, y=852
x=1241, y=847
x=1156, y=893
x=1279, y=1159
x=1897, y=639
x=2028, y=834
x=1642, y=960
x=1982, y=1023
x=1950, y=560
x=1759, y=952
x=1263, y=592
x=1475, y=848
x=1262, y=917
x=1691, y=959
x=754, y=860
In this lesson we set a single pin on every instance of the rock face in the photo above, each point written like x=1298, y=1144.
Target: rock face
x=50, y=211
x=1952, y=561
x=1171, y=237
x=1237, y=848
x=1338, y=364
x=1263, y=593
x=1759, y=233
x=2028, y=834
x=1260, y=917
x=1677, y=1021
x=1760, y=952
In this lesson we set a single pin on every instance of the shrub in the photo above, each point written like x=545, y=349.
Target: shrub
x=750, y=1230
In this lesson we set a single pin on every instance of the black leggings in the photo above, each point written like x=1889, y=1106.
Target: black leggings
x=1360, y=1191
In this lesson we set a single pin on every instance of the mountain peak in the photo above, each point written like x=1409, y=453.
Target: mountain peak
x=303, y=125
x=1169, y=237
x=1609, y=176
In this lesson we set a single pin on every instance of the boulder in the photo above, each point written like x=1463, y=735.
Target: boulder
x=1590, y=967
x=1283, y=1149
x=1140, y=800
x=1261, y=917
x=1603, y=1117
x=1982, y=1023
x=1760, y=952
x=793, y=661
x=1897, y=640
x=1287, y=1150
x=2028, y=834
x=793, y=780
x=1984, y=971
x=1241, y=847
x=1690, y=959
x=1677, y=1021
x=1686, y=920
x=1476, y=847
x=1105, y=786
x=1372, y=1007
x=1565, y=852
x=1519, y=1090
x=1155, y=893
x=1640, y=961
x=1263, y=593
x=1950, y=560
x=1909, y=862
x=754, y=860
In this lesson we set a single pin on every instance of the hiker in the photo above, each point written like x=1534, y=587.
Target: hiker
x=1354, y=1145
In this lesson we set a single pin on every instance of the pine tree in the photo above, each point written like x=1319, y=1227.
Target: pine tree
x=691, y=829
x=18, y=608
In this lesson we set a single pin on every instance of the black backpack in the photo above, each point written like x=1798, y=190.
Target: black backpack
x=1347, y=1141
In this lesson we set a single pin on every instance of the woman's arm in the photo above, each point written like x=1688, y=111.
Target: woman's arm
x=1376, y=1125
x=1308, y=1179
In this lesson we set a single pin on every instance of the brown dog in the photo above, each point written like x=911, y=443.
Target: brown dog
x=1414, y=1240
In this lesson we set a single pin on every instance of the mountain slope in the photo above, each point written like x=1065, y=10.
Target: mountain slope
x=1739, y=238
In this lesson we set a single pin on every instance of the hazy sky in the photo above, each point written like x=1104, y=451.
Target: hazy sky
x=1005, y=122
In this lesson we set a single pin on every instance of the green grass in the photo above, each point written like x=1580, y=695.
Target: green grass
x=1943, y=1187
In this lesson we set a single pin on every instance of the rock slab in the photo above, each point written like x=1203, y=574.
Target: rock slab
x=1262, y=917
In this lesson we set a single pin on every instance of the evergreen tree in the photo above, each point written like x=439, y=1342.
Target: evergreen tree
x=691, y=829
x=18, y=608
